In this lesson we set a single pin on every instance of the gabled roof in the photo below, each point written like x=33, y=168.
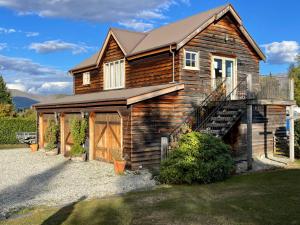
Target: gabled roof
x=177, y=33
x=128, y=96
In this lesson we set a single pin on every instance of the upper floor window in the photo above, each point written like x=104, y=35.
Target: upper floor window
x=191, y=60
x=86, y=79
x=114, y=74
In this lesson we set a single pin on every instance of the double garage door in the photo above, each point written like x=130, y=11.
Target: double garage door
x=107, y=135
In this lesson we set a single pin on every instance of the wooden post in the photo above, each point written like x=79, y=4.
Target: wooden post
x=249, y=122
x=41, y=131
x=62, y=133
x=91, y=135
x=164, y=147
x=292, y=134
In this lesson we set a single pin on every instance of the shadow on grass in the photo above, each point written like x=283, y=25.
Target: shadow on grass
x=62, y=214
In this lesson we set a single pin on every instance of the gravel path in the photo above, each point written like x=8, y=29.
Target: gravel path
x=29, y=179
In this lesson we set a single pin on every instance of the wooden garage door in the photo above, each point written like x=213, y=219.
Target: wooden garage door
x=67, y=132
x=107, y=135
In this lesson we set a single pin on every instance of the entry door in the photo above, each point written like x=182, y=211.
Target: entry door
x=107, y=136
x=224, y=69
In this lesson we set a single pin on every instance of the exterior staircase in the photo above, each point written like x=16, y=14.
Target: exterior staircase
x=223, y=120
x=217, y=114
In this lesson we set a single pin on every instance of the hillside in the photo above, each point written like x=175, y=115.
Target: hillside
x=23, y=100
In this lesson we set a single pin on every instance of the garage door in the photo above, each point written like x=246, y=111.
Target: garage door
x=107, y=136
x=67, y=132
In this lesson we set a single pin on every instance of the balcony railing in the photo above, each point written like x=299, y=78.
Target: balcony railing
x=275, y=88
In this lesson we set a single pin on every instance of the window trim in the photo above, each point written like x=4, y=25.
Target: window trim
x=83, y=80
x=197, y=67
x=122, y=79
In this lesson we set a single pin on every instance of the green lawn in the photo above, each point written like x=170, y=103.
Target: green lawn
x=263, y=198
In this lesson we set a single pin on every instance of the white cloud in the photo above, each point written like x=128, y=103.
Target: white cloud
x=17, y=86
x=94, y=10
x=58, y=45
x=3, y=46
x=7, y=30
x=282, y=52
x=25, y=75
x=32, y=34
x=51, y=87
x=137, y=25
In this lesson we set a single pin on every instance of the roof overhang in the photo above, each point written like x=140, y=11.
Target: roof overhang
x=113, y=101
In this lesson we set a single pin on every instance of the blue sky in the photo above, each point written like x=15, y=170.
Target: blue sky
x=41, y=40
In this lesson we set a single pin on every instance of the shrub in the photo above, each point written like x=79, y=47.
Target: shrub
x=51, y=135
x=297, y=139
x=6, y=110
x=199, y=158
x=78, y=133
x=10, y=126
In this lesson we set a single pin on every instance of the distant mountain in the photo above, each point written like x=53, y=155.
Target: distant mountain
x=24, y=100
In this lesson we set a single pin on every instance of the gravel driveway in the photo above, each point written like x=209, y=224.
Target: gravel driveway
x=29, y=179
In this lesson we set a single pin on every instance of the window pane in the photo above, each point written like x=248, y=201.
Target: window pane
x=218, y=68
x=193, y=64
x=188, y=55
x=194, y=56
x=229, y=68
x=188, y=62
x=117, y=79
x=111, y=75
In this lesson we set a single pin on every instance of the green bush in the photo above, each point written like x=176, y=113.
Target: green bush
x=78, y=133
x=51, y=135
x=199, y=158
x=297, y=139
x=10, y=126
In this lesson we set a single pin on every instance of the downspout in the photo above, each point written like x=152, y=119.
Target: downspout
x=173, y=64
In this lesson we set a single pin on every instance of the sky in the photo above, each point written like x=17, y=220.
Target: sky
x=40, y=40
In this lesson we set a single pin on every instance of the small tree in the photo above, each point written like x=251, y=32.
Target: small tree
x=78, y=132
x=5, y=97
x=51, y=135
x=294, y=72
x=6, y=110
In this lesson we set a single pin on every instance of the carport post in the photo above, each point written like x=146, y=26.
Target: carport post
x=91, y=135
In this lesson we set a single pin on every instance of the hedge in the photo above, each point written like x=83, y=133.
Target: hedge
x=10, y=126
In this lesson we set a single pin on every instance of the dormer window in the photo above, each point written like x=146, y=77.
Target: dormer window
x=86, y=78
x=191, y=60
x=114, y=74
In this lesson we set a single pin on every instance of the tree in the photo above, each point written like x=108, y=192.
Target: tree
x=5, y=97
x=294, y=72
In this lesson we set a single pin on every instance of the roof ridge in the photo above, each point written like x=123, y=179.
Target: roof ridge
x=132, y=31
x=189, y=17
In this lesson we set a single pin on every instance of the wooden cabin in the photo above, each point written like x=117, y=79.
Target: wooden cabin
x=141, y=87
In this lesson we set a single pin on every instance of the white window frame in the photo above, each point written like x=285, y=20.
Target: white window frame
x=107, y=72
x=86, y=78
x=196, y=60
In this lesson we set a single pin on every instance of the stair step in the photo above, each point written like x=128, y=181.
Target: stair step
x=217, y=125
x=221, y=119
x=228, y=113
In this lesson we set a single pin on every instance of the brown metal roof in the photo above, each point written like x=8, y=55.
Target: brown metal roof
x=133, y=43
x=130, y=95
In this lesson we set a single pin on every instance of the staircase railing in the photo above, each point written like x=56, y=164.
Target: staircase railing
x=196, y=116
x=238, y=93
x=199, y=117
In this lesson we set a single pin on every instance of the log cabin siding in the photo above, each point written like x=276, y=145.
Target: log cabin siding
x=151, y=70
x=151, y=120
x=210, y=42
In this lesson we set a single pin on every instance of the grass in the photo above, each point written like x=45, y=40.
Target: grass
x=257, y=199
x=12, y=146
